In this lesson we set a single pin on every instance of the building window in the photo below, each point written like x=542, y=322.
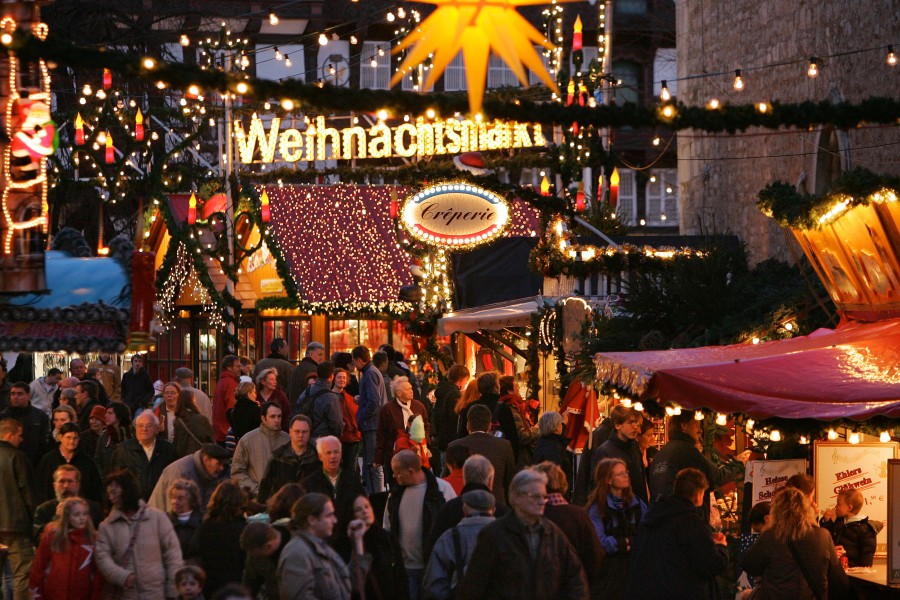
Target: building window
x=630, y=7
x=629, y=74
x=626, y=209
x=377, y=77
x=499, y=74
x=545, y=59
x=455, y=75
x=346, y=334
x=173, y=349
x=661, y=204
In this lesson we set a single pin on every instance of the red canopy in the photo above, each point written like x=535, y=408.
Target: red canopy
x=852, y=372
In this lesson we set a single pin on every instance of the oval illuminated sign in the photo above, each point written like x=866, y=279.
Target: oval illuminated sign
x=455, y=215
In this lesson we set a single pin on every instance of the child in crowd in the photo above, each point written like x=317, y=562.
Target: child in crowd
x=413, y=438
x=64, y=566
x=760, y=520
x=853, y=533
x=189, y=582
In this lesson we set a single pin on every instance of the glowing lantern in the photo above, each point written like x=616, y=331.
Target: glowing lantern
x=192, y=209
x=614, y=188
x=110, y=151
x=79, y=130
x=107, y=79
x=576, y=35
x=579, y=197
x=139, y=126
x=395, y=205
x=264, y=212
x=545, y=186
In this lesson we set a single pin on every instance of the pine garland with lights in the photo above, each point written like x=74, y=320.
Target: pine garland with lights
x=725, y=118
x=858, y=187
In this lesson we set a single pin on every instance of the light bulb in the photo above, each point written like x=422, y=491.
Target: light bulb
x=813, y=70
x=390, y=17
x=374, y=63
x=832, y=434
x=278, y=54
x=775, y=436
x=323, y=39
x=721, y=420
x=713, y=103
x=885, y=437
x=853, y=438
x=353, y=40
x=789, y=326
x=664, y=94
x=273, y=19
x=185, y=40
x=382, y=114
x=287, y=61
x=698, y=415
x=763, y=107
x=804, y=439
x=738, y=80
x=401, y=13
x=670, y=411
x=626, y=402
x=656, y=140
x=891, y=57
x=86, y=90
x=755, y=340
x=676, y=410
x=287, y=104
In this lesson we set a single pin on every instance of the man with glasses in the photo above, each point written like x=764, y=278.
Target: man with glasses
x=524, y=555
x=66, y=484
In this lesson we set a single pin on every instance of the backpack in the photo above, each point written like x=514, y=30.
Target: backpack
x=306, y=403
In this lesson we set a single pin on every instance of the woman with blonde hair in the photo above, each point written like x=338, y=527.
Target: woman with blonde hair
x=795, y=558
x=64, y=566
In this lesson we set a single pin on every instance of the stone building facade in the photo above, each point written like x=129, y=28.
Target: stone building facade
x=721, y=174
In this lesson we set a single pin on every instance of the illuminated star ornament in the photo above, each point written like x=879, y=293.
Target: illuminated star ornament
x=475, y=27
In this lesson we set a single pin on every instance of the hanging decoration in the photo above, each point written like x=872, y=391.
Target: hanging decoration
x=139, y=126
x=476, y=28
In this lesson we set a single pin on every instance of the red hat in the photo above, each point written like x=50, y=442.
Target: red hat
x=98, y=412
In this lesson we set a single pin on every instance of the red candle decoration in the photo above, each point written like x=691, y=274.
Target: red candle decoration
x=570, y=92
x=579, y=197
x=582, y=94
x=139, y=126
x=576, y=35
x=614, y=188
x=545, y=186
x=395, y=205
x=79, y=130
x=265, y=212
x=110, y=151
x=107, y=79
x=192, y=209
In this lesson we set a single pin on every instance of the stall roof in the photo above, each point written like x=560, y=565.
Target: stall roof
x=852, y=372
x=515, y=313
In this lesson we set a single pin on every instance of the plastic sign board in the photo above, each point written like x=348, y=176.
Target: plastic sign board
x=455, y=215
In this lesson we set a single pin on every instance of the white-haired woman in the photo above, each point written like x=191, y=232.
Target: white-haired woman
x=551, y=445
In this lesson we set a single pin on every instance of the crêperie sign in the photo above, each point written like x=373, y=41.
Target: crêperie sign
x=455, y=215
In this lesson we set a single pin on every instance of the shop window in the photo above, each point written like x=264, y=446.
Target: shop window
x=346, y=334
x=207, y=350
x=247, y=341
x=173, y=350
x=296, y=332
x=499, y=75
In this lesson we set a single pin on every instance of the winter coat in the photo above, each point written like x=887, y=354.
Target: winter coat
x=106, y=447
x=857, y=536
x=219, y=546
x=308, y=569
x=553, y=448
x=372, y=396
x=188, y=467
x=386, y=579
x=130, y=455
x=502, y=567
x=680, y=453
x=187, y=535
x=327, y=415
x=489, y=400
x=223, y=400
x=433, y=503
x=137, y=389
x=444, y=421
x=91, y=486
x=443, y=573
x=674, y=555
x=71, y=575
x=630, y=454
x=349, y=487
x=350, y=433
x=390, y=420
x=515, y=428
x=616, y=532
x=781, y=575
x=191, y=430
x=16, y=481
x=575, y=523
x=244, y=417
x=499, y=452
x=154, y=557
x=35, y=430
x=252, y=454
x=297, y=381
x=286, y=467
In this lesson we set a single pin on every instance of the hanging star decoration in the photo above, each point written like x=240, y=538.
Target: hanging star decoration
x=475, y=27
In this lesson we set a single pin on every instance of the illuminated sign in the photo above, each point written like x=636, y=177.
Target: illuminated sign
x=455, y=215
x=419, y=138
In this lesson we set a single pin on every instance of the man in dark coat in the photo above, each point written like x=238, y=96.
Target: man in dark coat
x=327, y=412
x=68, y=453
x=66, y=484
x=132, y=454
x=446, y=395
x=292, y=462
x=682, y=452
x=674, y=554
x=497, y=450
x=85, y=400
x=341, y=485
x=524, y=556
x=315, y=353
x=137, y=388
x=278, y=360
x=35, y=423
x=622, y=444
x=16, y=507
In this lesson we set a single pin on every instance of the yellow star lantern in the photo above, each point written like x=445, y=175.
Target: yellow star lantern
x=475, y=27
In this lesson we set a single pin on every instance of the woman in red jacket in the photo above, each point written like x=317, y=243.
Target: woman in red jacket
x=64, y=566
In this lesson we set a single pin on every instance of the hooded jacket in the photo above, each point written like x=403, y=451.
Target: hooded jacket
x=327, y=415
x=674, y=555
x=857, y=535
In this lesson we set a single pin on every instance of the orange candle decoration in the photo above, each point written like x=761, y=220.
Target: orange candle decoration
x=570, y=92
x=139, y=126
x=192, y=209
x=576, y=35
x=545, y=186
x=79, y=130
x=110, y=151
x=614, y=188
x=265, y=212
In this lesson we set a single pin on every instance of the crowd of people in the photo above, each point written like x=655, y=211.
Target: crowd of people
x=341, y=478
